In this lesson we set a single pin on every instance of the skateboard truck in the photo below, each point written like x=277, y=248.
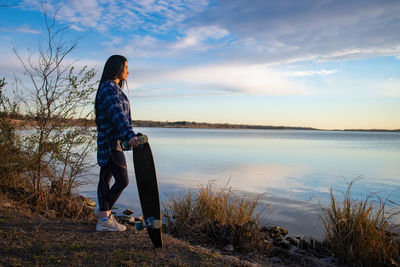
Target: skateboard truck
x=150, y=222
x=142, y=139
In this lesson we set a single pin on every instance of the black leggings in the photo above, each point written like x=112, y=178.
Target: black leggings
x=115, y=167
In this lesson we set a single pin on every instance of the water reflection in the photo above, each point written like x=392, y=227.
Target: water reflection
x=296, y=168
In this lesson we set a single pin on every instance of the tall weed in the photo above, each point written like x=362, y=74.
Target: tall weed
x=358, y=231
x=216, y=216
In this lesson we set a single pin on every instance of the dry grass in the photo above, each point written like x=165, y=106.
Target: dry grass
x=27, y=239
x=216, y=216
x=358, y=231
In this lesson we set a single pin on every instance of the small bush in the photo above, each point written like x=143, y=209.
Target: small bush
x=359, y=232
x=216, y=217
x=13, y=161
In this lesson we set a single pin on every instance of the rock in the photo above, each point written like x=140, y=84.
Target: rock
x=276, y=240
x=276, y=260
x=122, y=218
x=128, y=212
x=330, y=260
x=229, y=248
x=268, y=242
x=300, y=237
x=304, y=244
x=301, y=251
x=275, y=232
x=226, y=234
x=139, y=219
x=125, y=219
x=293, y=241
x=89, y=202
x=282, y=231
x=115, y=208
x=284, y=244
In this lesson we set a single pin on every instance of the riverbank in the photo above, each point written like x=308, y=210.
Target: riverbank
x=31, y=239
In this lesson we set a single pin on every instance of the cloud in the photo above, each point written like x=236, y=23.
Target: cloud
x=195, y=37
x=9, y=65
x=123, y=15
x=387, y=88
x=310, y=73
x=27, y=29
x=224, y=79
x=285, y=31
x=23, y=29
x=263, y=31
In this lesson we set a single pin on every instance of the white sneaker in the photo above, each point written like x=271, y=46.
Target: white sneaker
x=109, y=224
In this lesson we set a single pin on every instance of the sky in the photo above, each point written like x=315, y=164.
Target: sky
x=328, y=64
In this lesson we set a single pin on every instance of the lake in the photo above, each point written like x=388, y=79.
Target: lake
x=295, y=168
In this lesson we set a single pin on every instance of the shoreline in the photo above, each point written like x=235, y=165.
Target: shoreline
x=23, y=123
x=300, y=218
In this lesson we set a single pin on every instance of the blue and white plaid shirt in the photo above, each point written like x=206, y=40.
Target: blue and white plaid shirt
x=113, y=120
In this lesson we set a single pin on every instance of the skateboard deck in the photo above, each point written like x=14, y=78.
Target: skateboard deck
x=147, y=185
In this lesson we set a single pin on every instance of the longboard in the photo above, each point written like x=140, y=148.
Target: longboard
x=147, y=185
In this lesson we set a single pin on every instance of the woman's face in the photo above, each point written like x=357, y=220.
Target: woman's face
x=125, y=72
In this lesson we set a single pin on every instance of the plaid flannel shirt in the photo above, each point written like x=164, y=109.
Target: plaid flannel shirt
x=113, y=119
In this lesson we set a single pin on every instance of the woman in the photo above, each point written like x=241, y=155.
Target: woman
x=114, y=124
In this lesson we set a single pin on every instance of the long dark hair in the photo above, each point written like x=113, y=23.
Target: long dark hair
x=112, y=69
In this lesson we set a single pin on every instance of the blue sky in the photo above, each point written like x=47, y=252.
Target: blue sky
x=313, y=63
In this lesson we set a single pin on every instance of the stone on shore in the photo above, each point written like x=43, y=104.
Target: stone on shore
x=126, y=219
x=229, y=248
x=89, y=202
x=139, y=219
x=128, y=212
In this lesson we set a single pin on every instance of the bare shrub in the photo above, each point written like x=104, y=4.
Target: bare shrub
x=54, y=97
x=13, y=162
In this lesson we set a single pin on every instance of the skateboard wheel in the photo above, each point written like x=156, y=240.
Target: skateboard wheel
x=156, y=224
x=143, y=139
x=125, y=146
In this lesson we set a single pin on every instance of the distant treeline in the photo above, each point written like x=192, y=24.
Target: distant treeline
x=187, y=124
x=20, y=120
x=23, y=120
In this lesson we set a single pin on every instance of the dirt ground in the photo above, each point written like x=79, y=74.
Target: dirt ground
x=31, y=240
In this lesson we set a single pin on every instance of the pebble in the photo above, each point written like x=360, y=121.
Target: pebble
x=293, y=241
x=301, y=251
x=276, y=260
x=284, y=244
x=128, y=212
x=126, y=219
x=90, y=202
x=140, y=219
x=229, y=248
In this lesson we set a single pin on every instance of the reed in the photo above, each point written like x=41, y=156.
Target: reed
x=215, y=216
x=359, y=232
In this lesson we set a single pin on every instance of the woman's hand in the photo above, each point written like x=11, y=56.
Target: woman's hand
x=134, y=142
